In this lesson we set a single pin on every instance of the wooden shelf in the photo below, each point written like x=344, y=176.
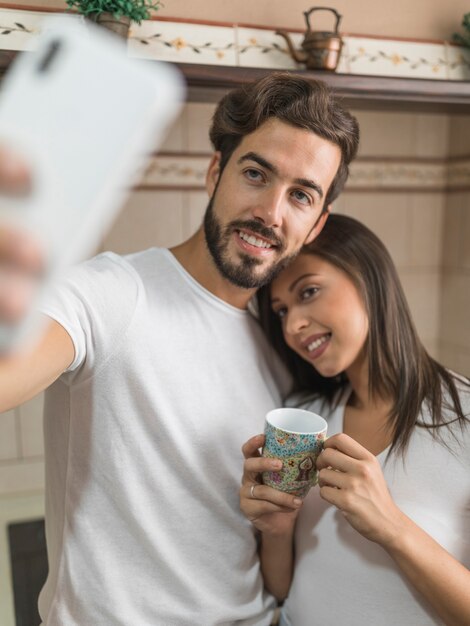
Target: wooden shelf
x=207, y=83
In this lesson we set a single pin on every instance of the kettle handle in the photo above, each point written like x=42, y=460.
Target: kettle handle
x=308, y=13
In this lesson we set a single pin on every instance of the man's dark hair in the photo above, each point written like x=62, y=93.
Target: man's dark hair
x=297, y=101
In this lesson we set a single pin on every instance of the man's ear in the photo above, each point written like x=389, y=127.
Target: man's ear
x=213, y=173
x=318, y=227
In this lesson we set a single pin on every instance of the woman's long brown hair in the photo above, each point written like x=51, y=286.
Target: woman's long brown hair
x=399, y=366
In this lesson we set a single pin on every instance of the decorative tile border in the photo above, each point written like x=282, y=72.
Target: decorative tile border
x=183, y=43
x=458, y=59
x=458, y=175
x=263, y=48
x=188, y=172
x=236, y=45
x=176, y=171
x=18, y=29
x=397, y=58
x=397, y=175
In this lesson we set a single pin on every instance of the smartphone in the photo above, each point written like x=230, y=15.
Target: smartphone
x=86, y=118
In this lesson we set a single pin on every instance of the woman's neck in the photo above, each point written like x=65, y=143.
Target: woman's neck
x=366, y=417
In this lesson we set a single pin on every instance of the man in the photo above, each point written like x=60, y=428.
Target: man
x=157, y=374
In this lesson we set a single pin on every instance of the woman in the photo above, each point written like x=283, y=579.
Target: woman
x=385, y=538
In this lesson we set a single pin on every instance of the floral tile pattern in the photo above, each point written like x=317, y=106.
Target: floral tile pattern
x=458, y=174
x=176, y=171
x=263, y=48
x=183, y=43
x=397, y=58
x=397, y=175
x=18, y=29
x=458, y=60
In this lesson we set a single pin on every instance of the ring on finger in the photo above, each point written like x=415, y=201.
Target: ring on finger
x=252, y=491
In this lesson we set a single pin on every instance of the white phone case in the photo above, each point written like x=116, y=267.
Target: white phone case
x=86, y=118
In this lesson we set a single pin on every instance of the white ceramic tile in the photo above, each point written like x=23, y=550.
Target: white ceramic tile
x=397, y=58
x=453, y=229
x=432, y=347
x=465, y=248
x=150, y=218
x=8, y=441
x=458, y=61
x=344, y=66
x=432, y=135
x=263, y=48
x=386, y=133
x=463, y=362
x=455, y=358
x=455, y=308
x=176, y=171
x=427, y=222
x=199, y=117
x=183, y=43
x=195, y=208
x=387, y=216
x=423, y=293
x=459, y=135
x=30, y=415
x=175, y=139
x=21, y=477
x=448, y=355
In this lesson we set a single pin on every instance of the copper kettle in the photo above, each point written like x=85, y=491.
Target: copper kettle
x=321, y=50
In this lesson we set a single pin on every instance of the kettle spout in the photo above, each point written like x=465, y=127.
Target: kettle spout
x=298, y=55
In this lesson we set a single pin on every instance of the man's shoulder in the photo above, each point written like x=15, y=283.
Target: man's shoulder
x=135, y=265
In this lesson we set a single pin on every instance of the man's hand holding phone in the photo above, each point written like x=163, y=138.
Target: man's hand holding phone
x=21, y=257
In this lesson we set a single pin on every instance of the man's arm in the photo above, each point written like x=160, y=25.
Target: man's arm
x=26, y=373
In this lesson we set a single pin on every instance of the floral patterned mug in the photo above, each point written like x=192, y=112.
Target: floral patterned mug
x=296, y=437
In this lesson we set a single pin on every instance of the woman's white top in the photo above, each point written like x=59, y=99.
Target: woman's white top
x=341, y=578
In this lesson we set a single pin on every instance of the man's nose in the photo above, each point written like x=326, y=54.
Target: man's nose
x=269, y=209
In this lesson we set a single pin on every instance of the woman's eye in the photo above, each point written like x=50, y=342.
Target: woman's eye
x=308, y=293
x=280, y=313
x=301, y=197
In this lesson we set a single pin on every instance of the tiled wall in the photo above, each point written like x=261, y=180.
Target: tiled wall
x=455, y=294
x=396, y=188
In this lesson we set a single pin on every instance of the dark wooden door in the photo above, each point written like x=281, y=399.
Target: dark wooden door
x=29, y=568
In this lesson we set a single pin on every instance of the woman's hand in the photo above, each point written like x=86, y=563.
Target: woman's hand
x=350, y=478
x=271, y=511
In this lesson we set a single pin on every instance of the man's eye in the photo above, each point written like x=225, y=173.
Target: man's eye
x=301, y=197
x=253, y=174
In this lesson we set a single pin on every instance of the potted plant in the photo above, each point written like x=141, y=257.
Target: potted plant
x=116, y=15
x=464, y=40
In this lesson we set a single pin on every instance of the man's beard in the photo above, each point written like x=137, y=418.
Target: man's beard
x=242, y=274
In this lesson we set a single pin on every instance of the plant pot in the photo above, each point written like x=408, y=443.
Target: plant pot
x=107, y=20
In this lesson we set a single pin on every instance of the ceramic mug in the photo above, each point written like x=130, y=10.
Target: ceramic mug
x=296, y=437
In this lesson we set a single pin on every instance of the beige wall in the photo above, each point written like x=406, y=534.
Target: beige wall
x=455, y=295
x=420, y=19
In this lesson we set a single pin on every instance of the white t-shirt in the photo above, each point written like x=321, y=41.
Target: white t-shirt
x=143, y=440
x=341, y=577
